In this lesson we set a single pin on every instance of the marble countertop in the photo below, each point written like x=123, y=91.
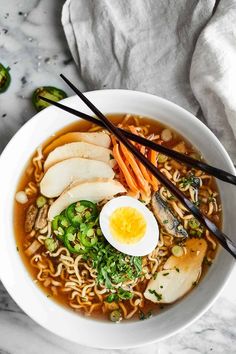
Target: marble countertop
x=33, y=45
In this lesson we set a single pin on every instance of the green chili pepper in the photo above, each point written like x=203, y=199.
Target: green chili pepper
x=70, y=241
x=80, y=212
x=49, y=92
x=89, y=238
x=5, y=78
x=59, y=224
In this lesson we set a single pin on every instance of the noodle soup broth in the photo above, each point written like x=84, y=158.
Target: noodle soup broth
x=68, y=255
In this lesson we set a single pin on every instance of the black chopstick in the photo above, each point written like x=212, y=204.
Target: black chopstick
x=211, y=170
x=222, y=238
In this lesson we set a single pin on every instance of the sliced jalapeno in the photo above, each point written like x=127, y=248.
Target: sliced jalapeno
x=59, y=224
x=5, y=78
x=49, y=92
x=70, y=241
x=80, y=212
x=89, y=238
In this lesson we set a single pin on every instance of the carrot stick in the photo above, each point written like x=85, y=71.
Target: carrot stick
x=129, y=180
x=113, y=139
x=130, y=158
x=153, y=159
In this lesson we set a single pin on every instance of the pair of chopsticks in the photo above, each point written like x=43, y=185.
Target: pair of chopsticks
x=122, y=136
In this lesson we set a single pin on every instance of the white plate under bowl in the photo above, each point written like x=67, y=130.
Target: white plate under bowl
x=15, y=276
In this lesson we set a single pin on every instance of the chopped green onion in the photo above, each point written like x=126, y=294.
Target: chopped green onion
x=90, y=232
x=162, y=158
x=194, y=223
x=80, y=208
x=99, y=232
x=177, y=251
x=50, y=244
x=124, y=294
x=158, y=296
x=112, y=297
x=143, y=316
x=115, y=316
x=199, y=232
x=41, y=201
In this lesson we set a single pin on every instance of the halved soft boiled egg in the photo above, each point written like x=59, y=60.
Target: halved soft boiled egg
x=129, y=226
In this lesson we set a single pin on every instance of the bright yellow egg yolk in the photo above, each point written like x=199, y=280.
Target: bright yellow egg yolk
x=127, y=225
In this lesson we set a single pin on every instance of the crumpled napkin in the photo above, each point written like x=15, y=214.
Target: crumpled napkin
x=148, y=45
x=213, y=74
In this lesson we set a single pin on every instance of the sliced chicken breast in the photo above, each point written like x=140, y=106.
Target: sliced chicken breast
x=80, y=149
x=179, y=275
x=95, y=138
x=94, y=191
x=64, y=173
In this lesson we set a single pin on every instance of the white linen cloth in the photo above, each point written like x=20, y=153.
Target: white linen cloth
x=148, y=45
x=213, y=74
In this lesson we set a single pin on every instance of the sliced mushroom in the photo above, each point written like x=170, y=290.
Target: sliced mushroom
x=30, y=218
x=41, y=220
x=166, y=217
x=179, y=274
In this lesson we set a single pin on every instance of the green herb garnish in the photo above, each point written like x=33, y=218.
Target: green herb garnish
x=191, y=180
x=158, y=296
x=143, y=316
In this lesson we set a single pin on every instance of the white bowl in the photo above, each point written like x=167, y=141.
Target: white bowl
x=15, y=276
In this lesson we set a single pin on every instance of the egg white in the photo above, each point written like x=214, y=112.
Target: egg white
x=150, y=239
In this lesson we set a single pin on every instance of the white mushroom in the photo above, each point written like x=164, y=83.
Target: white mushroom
x=94, y=191
x=179, y=274
x=83, y=150
x=61, y=175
